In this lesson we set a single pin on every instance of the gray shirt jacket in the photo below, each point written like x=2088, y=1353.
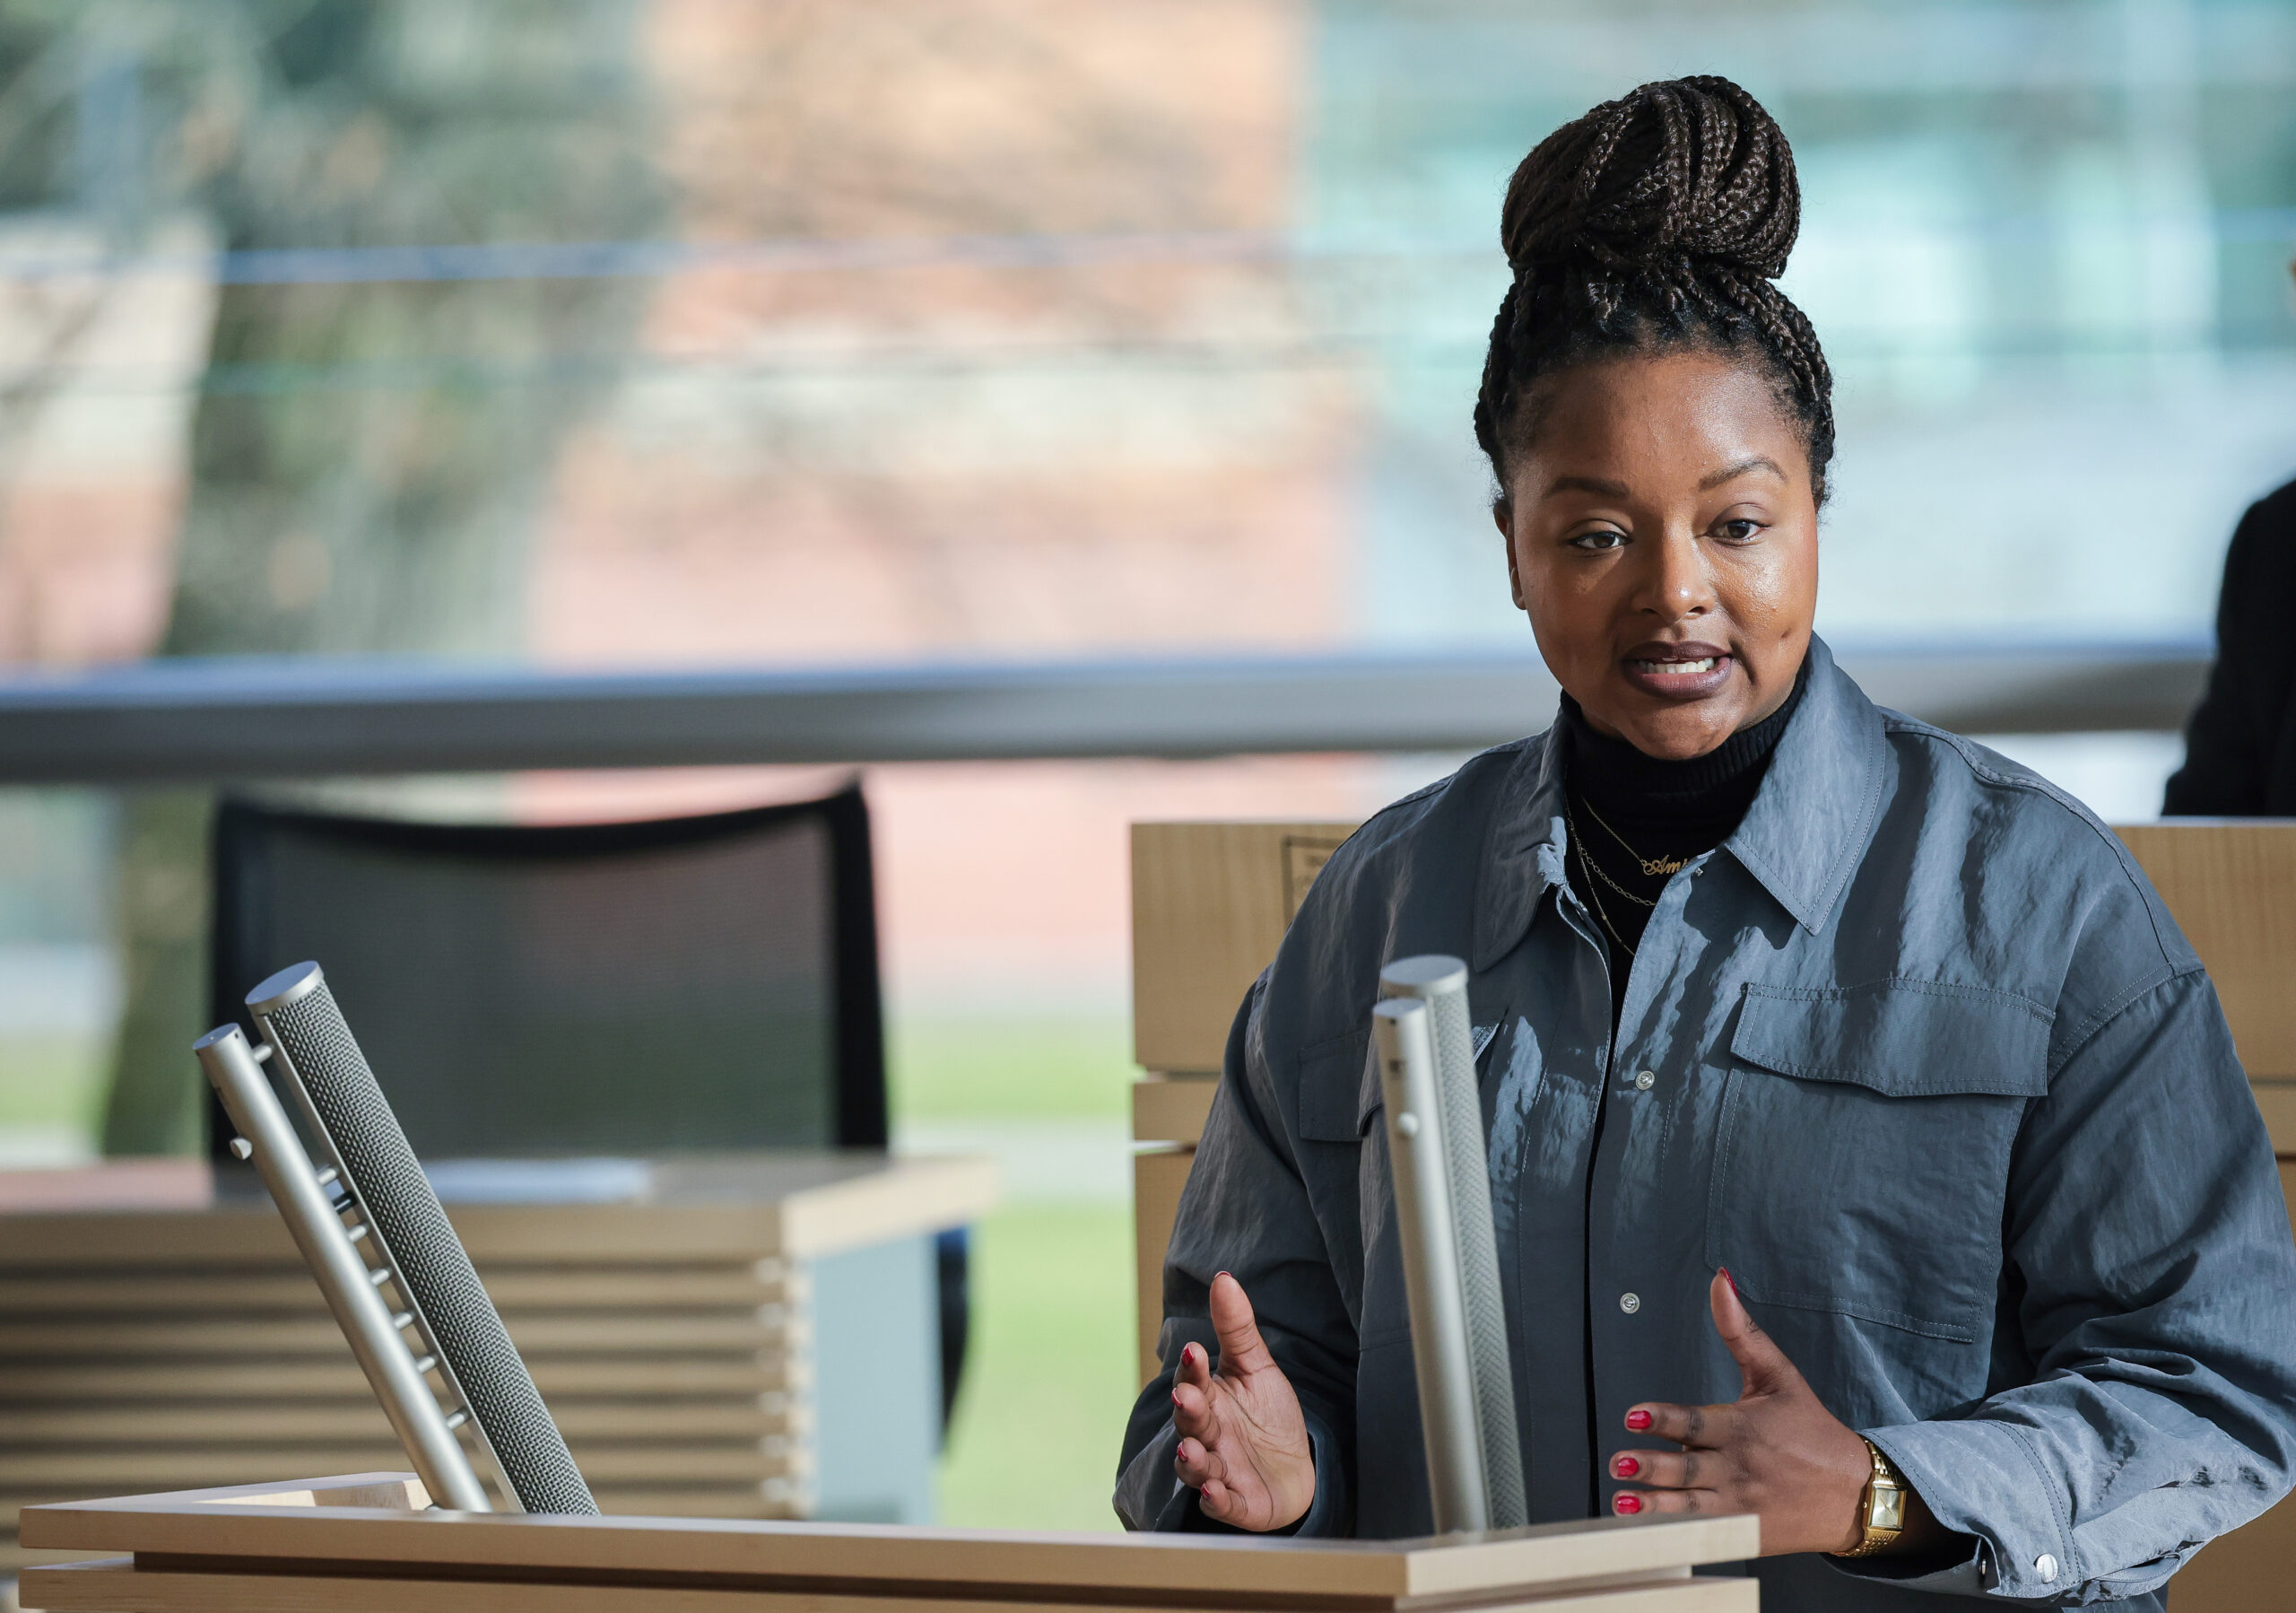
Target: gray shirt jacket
x=1916, y=1053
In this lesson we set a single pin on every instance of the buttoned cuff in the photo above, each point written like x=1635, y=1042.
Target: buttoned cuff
x=1982, y=1478
x=1963, y=1575
x=1328, y=1515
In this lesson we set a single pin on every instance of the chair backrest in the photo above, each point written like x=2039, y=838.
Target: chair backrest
x=701, y=982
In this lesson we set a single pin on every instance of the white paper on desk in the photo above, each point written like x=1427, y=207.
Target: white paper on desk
x=540, y=1180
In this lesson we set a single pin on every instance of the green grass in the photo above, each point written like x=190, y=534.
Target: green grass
x=1049, y=1379
x=948, y=1067
x=1049, y=1382
x=51, y=1080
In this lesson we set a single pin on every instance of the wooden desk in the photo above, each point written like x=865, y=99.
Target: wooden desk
x=753, y=1336
x=354, y=1545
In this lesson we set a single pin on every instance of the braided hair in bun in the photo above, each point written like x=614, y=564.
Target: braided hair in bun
x=1656, y=220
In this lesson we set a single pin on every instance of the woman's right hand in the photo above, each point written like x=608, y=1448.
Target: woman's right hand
x=1244, y=1445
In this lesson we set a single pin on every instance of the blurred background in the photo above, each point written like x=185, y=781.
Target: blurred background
x=651, y=333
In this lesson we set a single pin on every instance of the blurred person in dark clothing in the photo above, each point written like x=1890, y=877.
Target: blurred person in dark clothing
x=2240, y=744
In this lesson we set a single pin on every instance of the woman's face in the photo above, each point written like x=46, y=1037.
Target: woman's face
x=1662, y=534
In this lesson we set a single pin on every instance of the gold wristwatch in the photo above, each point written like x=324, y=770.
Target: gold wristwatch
x=1881, y=1509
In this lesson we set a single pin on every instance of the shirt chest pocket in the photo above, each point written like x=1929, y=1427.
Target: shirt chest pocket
x=1862, y=1148
x=1339, y=1089
x=1343, y=1133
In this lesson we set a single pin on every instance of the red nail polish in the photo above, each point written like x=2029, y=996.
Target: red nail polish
x=1625, y=1503
x=1729, y=1280
x=1625, y=1467
x=1638, y=1420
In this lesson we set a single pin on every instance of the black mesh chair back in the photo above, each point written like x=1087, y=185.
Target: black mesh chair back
x=694, y=983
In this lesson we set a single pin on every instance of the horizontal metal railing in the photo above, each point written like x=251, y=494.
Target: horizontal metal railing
x=315, y=717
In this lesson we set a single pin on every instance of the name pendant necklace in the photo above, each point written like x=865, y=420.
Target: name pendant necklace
x=1594, y=896
x=1652, y=866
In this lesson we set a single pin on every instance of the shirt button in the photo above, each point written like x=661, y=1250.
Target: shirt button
x=2045, y=1567
x=1645, y=1080
x=1629, y=1302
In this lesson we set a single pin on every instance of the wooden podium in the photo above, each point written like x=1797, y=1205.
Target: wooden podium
x=358, y=1545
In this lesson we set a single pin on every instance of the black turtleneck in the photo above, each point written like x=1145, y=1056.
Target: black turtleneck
x=1666, y=812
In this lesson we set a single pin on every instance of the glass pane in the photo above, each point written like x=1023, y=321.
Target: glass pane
x=682, y=331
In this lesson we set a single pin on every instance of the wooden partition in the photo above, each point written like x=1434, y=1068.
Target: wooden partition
x=2232, y=886
x=356, y=1545
x=1210, y=902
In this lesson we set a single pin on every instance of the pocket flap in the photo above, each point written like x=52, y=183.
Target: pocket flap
x=1904, y=1038
x=1339, y=1089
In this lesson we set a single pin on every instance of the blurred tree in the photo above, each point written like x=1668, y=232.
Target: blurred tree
x=367, y=456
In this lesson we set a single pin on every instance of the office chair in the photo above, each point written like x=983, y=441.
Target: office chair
x=557, y=990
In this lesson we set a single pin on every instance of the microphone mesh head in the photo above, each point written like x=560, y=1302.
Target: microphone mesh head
x=421, y=1241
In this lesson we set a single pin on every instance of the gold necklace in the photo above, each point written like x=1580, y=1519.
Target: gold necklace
x=1578, y=844
x=1652, y=866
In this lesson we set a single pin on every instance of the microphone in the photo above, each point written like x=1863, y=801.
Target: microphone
x=399, y=1216
x=312, y=1201
x=1450, y=1258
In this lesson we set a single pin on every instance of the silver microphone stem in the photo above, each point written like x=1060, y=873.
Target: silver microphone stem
x=1438, y=1323
x=343, y=1277
x=1427, y=1069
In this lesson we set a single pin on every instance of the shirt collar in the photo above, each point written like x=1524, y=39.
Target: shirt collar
x=1801, y=839
x=1808, y=830
x=1523, y=854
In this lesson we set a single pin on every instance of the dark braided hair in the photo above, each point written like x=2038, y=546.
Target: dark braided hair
x=1656, y=220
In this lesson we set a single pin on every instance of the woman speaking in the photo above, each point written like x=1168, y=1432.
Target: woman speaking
x=1860, y=1126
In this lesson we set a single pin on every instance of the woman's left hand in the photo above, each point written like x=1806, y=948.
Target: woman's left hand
x=1775, y=1452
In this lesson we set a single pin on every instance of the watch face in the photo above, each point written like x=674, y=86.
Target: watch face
x=1889, y=1509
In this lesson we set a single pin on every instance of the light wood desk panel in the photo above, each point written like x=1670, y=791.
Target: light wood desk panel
x=119, y=1587
x=354, y=1545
